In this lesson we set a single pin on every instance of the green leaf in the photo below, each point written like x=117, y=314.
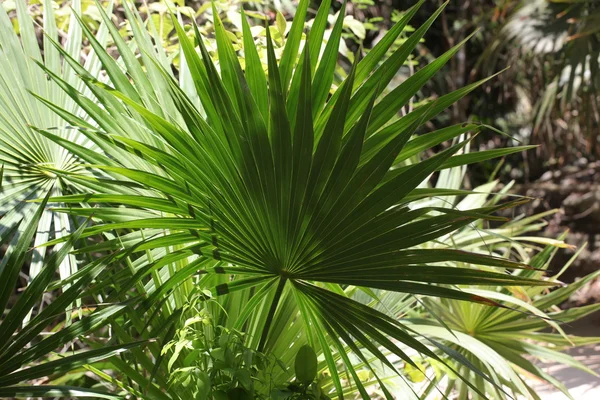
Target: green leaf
x=305, y=365
x=54, y=391
x=65, y=364
x=292, y=44
x=15, y=256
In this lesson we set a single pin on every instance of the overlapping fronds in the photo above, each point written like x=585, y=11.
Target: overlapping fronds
x=281, y=190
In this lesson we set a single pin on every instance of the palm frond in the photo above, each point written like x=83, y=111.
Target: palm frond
x=278, y=186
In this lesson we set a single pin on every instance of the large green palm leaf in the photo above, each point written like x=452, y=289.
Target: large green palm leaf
x=33, y=164
x=285, y=188
x=31, y=161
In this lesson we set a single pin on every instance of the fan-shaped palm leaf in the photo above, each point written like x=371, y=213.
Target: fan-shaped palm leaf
x=31, y=161
x=34, y=165
x=507, y=343
x=286, y=189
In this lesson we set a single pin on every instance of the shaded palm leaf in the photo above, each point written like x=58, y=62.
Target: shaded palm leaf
x=22, y=346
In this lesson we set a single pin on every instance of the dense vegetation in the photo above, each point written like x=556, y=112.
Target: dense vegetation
x=248, y=208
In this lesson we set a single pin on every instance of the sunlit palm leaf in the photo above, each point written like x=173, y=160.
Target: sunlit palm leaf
x=293, y=197
x=30, y=160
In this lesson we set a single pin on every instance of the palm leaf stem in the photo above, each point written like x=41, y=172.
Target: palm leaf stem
x=269, y=320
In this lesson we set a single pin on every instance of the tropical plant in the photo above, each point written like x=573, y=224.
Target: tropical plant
x=504, y=342
x=29, y=160
x=26, y=354
x=232, y=265
x=34, y=165
x=561, y=39
x=277, y=195
x=216, y=362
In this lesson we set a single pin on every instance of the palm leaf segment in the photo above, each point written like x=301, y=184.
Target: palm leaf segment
x=505, y=342
x=295, y=190
x=34, y=165
x=31, y=161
